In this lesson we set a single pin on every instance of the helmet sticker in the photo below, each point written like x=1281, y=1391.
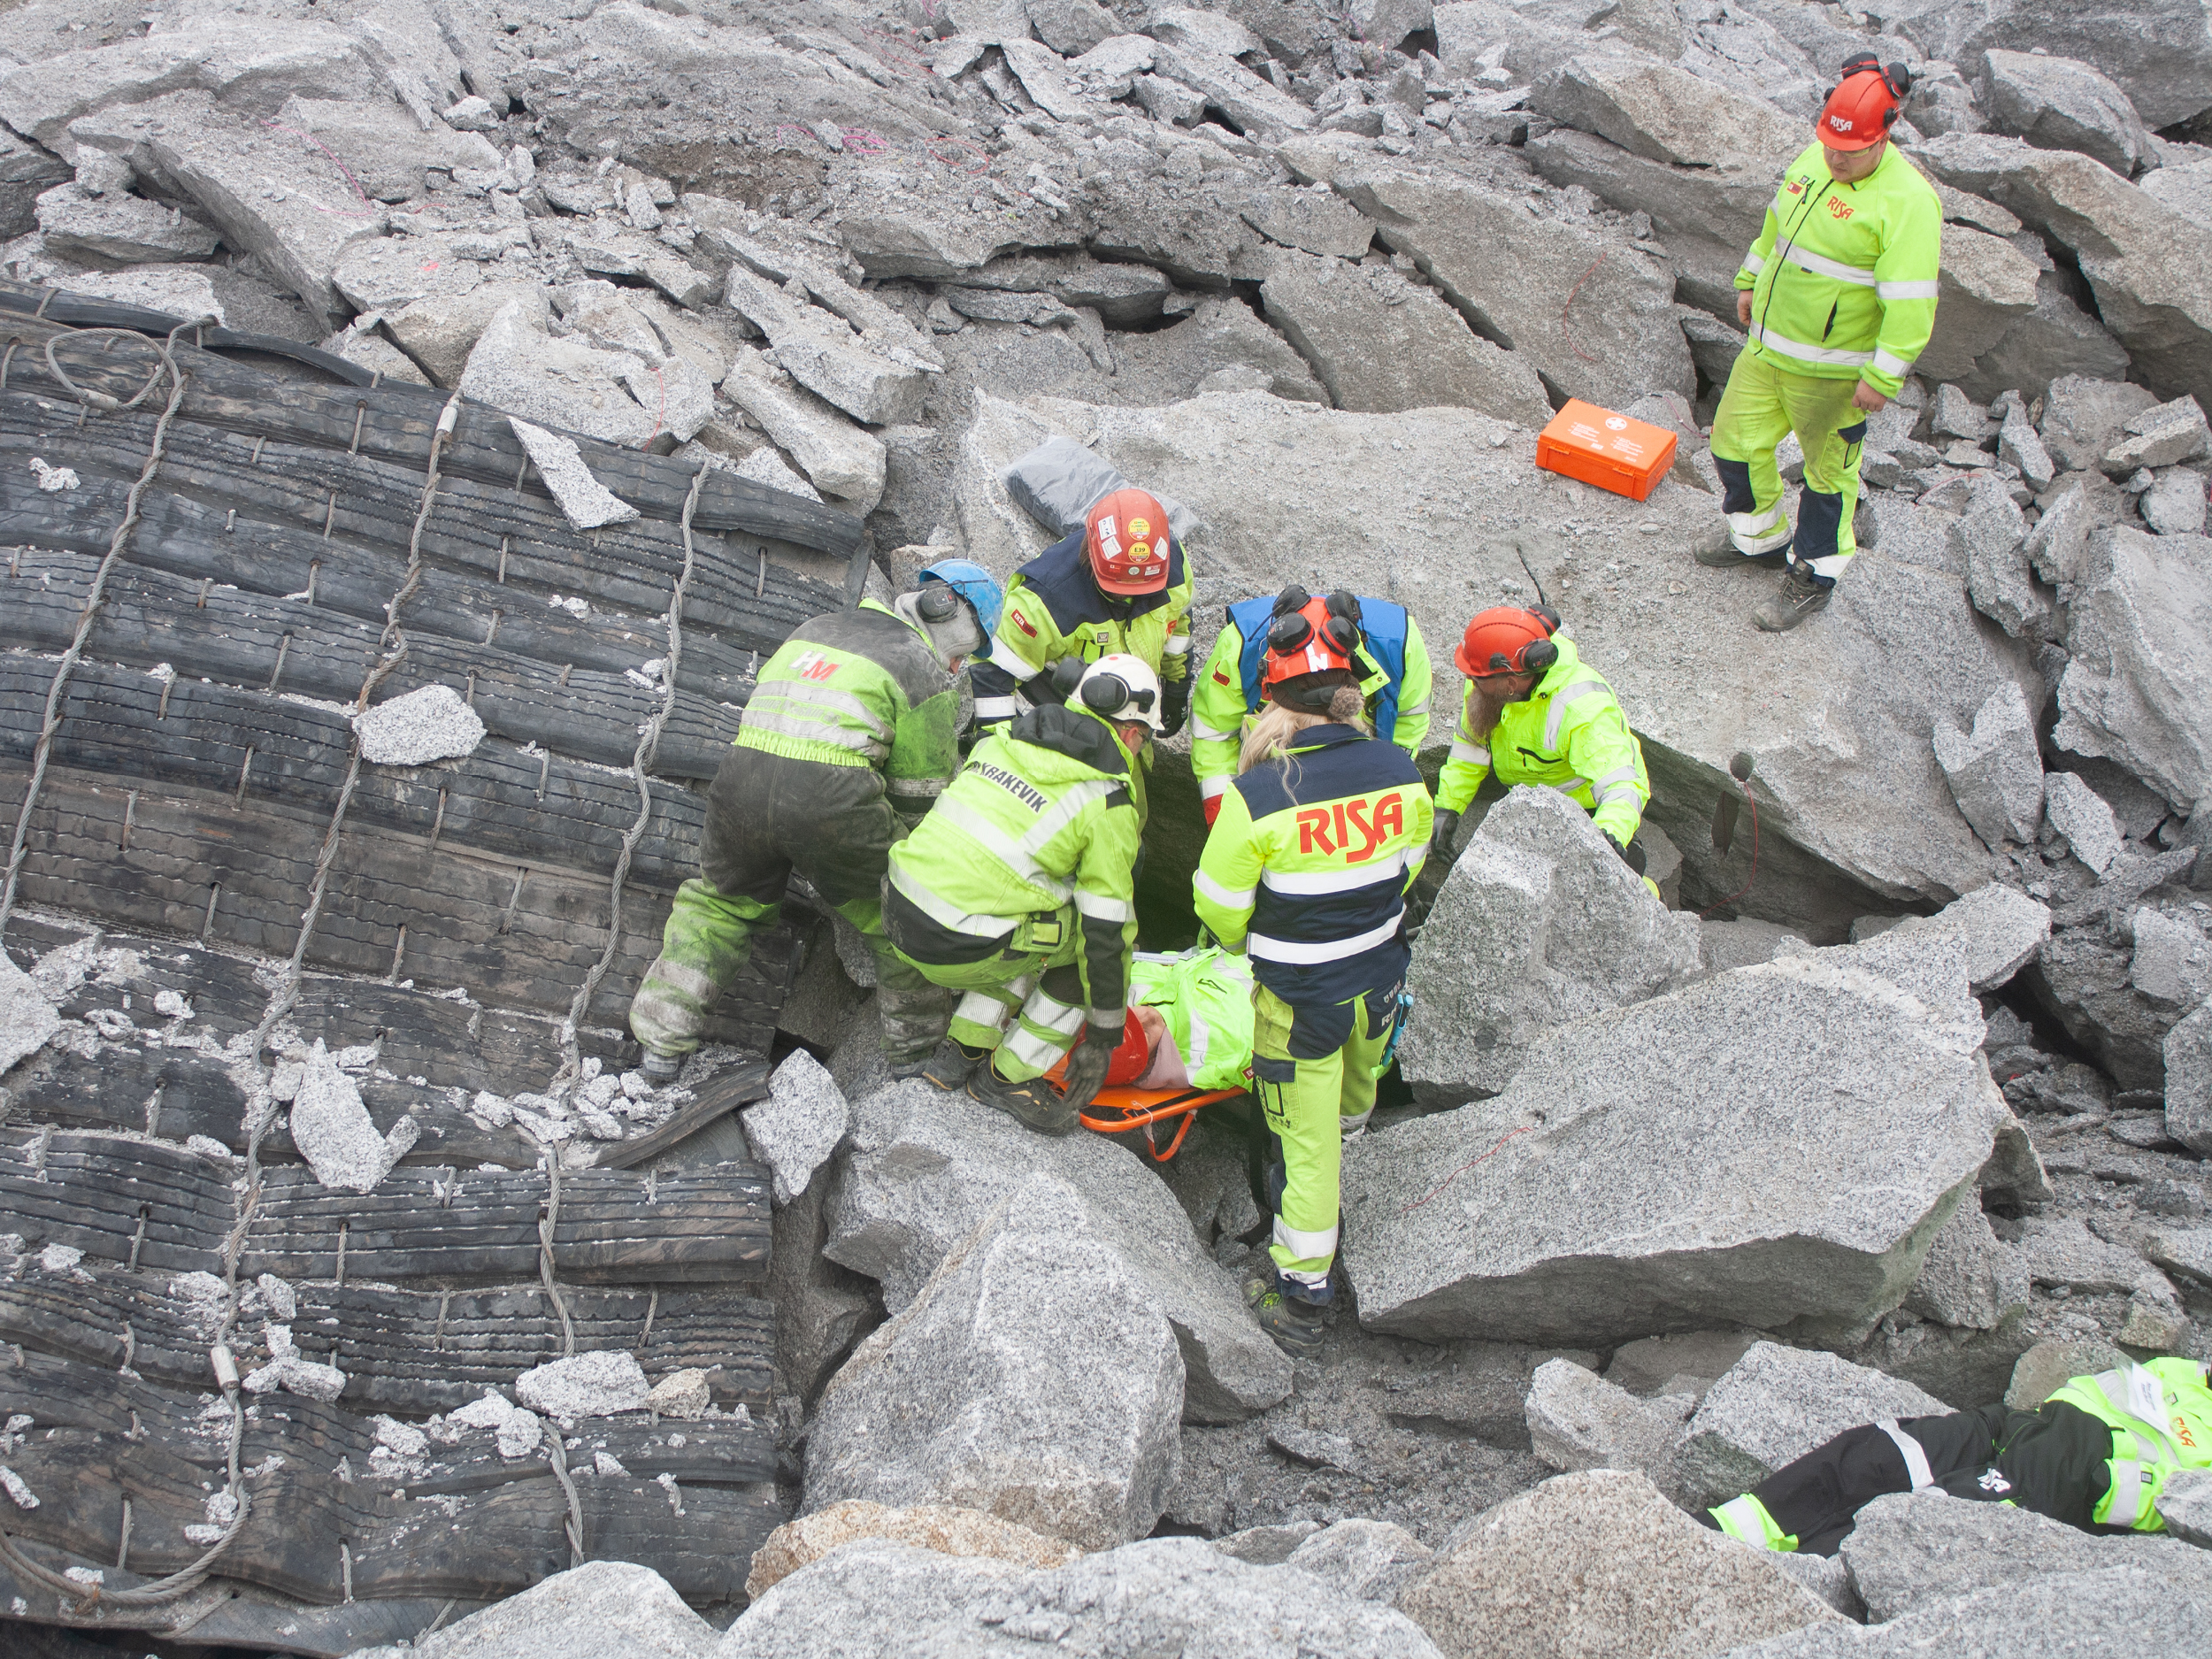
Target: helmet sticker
x=1138, y=527
x=1140, y=549
x=1106, y=528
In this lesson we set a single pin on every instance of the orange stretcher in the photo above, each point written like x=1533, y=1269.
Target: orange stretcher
x=1117, y=1109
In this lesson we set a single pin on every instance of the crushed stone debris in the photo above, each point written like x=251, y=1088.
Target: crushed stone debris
x=585, y=1385
x=13, y=1484
x=51, y=478
x=59, y=1259
x=429, y=724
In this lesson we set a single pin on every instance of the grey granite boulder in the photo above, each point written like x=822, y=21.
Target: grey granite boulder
x=1598, y=1565
x=1579, y=1420
x=2061, y=1615
x=1779, y=1142
x=804, y=1119
x=1031, y=1380
x=27, y=1017
x=598, y=1610
x=2185, y=1503
x=1370, y=1560
x=2079, y=813
x=1164, y=1595
x=1540, y=923
x=2061, y=103
x=2083, y=417
x=1971, y=1279
x=2049, y=1365
x=1774, y=1405
x=1995, y=771
x=2138, y=688
x=2188, y=1053
x=1977, y=943
x=926, y=1167
x=1908, y=1550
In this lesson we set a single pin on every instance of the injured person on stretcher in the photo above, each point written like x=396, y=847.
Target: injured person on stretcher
x=1189, y=1025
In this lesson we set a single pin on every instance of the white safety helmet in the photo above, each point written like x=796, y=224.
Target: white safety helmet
x=1120, y=689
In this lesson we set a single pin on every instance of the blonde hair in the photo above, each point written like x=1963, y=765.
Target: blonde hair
x=1274, y=726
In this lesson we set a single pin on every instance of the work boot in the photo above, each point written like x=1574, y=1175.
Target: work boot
x=1725, y=554
x=1036, y=1103
x=661, y=1069
x=1294, y=1325
x=947, y=1066
x=1801, y=595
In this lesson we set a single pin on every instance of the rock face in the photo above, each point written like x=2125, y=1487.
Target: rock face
x=941, y=1527
x=2138, y=688
x=601, y=1609
x=2159, y=53
x=1600, y=1564
x=1774, y=1405
x=1588, y=1203
x=1540, y=923
x=1027, y=1379
x=1910, y=1552
x=882, y=1601
x=927, y=1167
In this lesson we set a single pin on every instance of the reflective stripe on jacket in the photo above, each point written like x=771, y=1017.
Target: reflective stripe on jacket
x=860, y=687
x=1039, y=824
x=2161, y=1417
x=1569, y=734
x=1395, y=679
x=1308, y=863
x=1843, y=276
x=1054, y=611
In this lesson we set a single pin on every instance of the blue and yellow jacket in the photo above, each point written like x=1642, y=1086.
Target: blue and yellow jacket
x=1309, y=861
x=1054, y=611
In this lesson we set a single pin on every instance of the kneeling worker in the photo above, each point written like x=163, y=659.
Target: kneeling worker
x=2096, y=1455
x=1019, y=890
x=1306, y=869
x=1534, y=712
x=1387, y=654
x=849, y=736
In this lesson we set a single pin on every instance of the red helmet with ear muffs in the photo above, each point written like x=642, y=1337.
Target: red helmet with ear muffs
x=1864, y=105
x=1509, y=640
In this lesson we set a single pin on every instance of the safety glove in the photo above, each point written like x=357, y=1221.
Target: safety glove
x=1174, y=706
x=1440, y=833
x=1087, y=1071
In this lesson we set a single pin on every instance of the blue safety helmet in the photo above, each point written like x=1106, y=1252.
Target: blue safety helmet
x=973, y=584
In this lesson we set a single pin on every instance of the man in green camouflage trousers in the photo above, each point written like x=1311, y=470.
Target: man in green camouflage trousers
x=850, y=736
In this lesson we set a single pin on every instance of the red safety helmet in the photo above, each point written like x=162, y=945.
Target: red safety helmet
x=1126, y=537
x=1309, y=646
x=1863, y=106
x=1508, y=640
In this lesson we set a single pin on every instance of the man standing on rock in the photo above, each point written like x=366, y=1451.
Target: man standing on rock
x=1534, y=712
x=1386, y=652
x=2097, y=1454
x=1019, y=890
x=1306, y=872
x=1838, y=294
x=848, y=737
x=1121, y=588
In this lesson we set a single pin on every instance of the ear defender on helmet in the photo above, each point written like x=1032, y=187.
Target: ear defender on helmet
x=1065, y=675
x=1335, y=618
x=1109, y=694
x=1292, y=598
x=936, y=603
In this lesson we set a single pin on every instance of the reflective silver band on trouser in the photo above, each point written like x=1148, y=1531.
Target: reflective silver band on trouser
x=1916, y=1456
x=2124, y=1501
x=1351, y=1128
x=995, y=708
x=1307, y=1246
x=979, y=1009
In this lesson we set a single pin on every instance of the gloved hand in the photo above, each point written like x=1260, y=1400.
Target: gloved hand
x=1440, y=833
x=1632, y=855
x=1174, y=706
x=1087, y=1066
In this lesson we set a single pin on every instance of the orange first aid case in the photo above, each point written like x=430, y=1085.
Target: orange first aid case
x=1602, y=448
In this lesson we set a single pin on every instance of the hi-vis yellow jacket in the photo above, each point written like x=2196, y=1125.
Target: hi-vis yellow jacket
x=1843, y=276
